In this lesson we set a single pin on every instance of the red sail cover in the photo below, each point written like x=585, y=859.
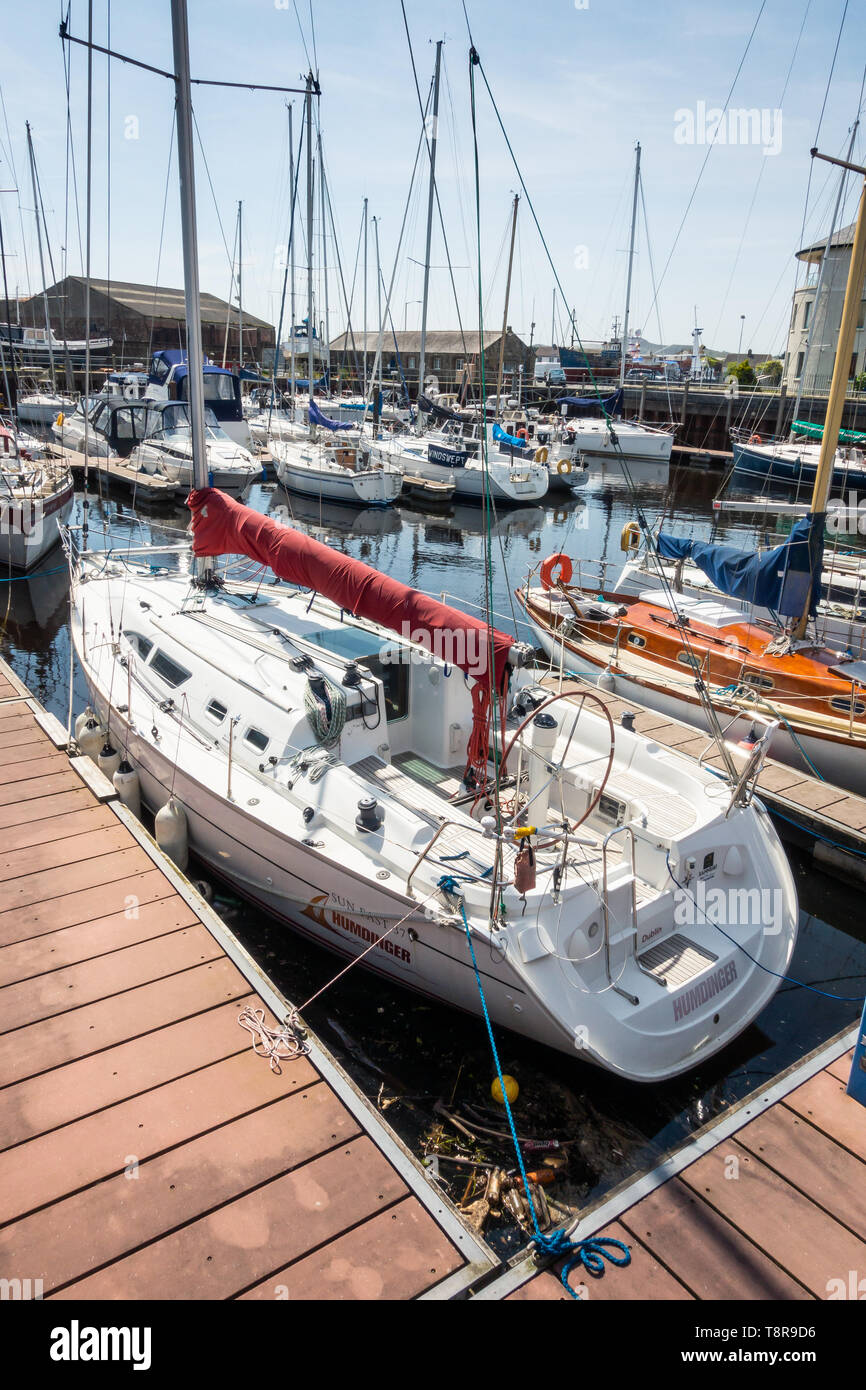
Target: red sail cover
x=222, y=526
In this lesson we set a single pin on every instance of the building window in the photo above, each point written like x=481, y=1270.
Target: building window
x=861, y=317
x=799, y=372
x=807, y=310
x=412, y=363
x=852, y=370
x=437, y=364
x=458, y=364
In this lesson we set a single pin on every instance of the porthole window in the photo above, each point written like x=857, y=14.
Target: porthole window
x=759, y=682
x=168, y=670
x=844, y=706
x=256, y=739
x=688, y=659
x=139, y=644
x=634, y=639
x=217, y=711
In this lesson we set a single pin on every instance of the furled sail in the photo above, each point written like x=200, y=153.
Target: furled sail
x=222, y=526
x=611, y=405
x=511, y=441
x=318, y=418
x=439, y=411
x=805, y=427
x=785, y=579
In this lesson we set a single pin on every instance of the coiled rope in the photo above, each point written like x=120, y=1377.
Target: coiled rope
x=592, y=1252
x=277, y=1044
x=326, y=712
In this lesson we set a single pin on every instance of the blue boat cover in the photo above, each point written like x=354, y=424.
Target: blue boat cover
x=611, y=404
x=317, y=418
x=784, y=579
x=501, y=437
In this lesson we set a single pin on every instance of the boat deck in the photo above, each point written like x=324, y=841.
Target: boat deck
x=145, y=1150
x=818, y=809
x=768, y=1203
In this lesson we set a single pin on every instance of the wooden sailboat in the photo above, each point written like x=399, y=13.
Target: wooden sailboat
x=682, y=654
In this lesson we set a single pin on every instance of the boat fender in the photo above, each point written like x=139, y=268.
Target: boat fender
x=108, y=760
x=524, y=869
x=91, y=738
x=564, y=466
x=558, y=562
x=84, y=717
x=59, y=421
x=541, y=455
x=630, y=538
x=171, y=832
x=127, y=784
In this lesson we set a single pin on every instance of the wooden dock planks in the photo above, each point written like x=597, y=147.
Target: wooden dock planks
x=775, y=1211
x=145, y=1150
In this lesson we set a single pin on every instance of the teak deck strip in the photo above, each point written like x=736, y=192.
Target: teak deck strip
x=145, y=1150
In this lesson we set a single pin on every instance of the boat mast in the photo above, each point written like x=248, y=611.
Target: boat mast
x=820, y=281
x=507, y=297
x=326, y=339
x=365, y=300
x=292, y=260
x=624, y=348
x=422, y=359
x=240, y=301
x=381, y=319
x=42, y=260
x=836, y=400
x=309, y=118
x=186, y=171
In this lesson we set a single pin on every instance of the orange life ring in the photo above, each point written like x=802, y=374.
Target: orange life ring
x=521, y=433
x=555, y=562
x=755, y=439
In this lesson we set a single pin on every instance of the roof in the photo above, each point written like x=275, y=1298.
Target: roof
x=445, y=340
x=156, y=301
x=843, y=237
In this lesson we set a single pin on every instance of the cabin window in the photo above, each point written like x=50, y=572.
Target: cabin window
x=256, y=739
x=217, y=711
x=168, y=670
x=759, y=682
x=124, y=424
x=218, y=387
x=843, y=706
x=139, y=644
x=634, y=639
x=688, y=659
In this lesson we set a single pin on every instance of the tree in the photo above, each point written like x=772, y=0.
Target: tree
x=772, y=370
x=743, y=371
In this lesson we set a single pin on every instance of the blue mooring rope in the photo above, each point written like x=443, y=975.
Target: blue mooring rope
x=591, y=1253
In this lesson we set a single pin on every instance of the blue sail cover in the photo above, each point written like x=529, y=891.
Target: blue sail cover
x=611, y=404
x=500, y=437
x=317, y=418
x=784, y=579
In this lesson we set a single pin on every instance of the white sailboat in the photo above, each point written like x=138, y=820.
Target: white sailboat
x=328, y=739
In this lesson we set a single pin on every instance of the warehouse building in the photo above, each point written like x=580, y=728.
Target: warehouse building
x=144, y=318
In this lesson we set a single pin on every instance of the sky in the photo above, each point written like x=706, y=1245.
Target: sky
x=577, y=84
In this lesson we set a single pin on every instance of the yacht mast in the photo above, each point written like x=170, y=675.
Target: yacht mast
x=42, y=260
x=326, y=337
x=186, y=171
x=240, y=300
x=430, y=196
x=507, y=298
x=309, y=118
x=624, y=349
x=836, y=400
x=292, y=261
x=365, y=300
